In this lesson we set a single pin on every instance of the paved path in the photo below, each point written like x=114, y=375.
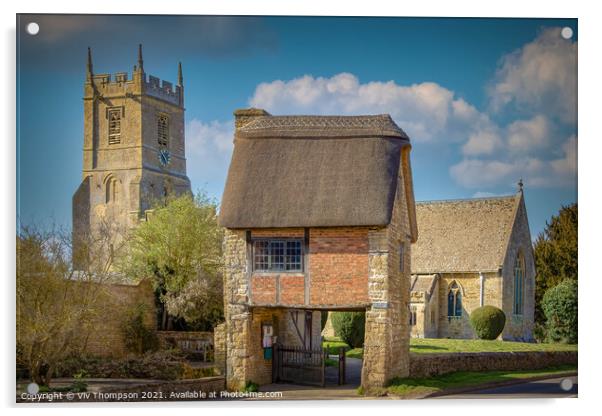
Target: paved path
x=332, y=391
x=550, y=388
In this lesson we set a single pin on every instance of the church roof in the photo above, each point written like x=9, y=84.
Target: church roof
x=313, y=171
x=423, y=283
x=463, y=235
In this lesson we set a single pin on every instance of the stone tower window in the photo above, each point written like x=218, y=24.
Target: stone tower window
x=163, y=130
x=454, y=301
x=112, y=191
x=114, y=116
x=519, y=285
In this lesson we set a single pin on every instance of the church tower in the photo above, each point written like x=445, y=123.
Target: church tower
x=134, y=151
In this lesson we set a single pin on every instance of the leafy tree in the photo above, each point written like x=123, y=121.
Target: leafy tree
x=179, y=248
x=560, y=308
x=555, y=252
x=57, y=306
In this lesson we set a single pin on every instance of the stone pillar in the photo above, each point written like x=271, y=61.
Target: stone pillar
x=386, y=344
x=236, y=310
x=219, y=348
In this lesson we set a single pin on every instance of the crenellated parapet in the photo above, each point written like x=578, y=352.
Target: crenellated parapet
x=119, y=85
x=163, y=90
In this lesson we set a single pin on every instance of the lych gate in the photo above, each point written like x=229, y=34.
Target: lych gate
x=320, y=215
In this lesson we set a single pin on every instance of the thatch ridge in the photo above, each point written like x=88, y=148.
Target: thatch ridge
x=313, y=171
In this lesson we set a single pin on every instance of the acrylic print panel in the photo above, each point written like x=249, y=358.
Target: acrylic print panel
x=219, y=208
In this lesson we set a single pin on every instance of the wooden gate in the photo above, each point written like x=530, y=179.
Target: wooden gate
x=300, y=365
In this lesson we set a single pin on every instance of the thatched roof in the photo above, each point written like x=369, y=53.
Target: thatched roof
x=312, y=171
x=463, y=235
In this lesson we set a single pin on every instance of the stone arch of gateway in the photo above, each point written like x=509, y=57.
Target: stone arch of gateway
x=319, y=214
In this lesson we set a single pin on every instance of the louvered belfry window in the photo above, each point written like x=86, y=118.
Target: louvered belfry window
x=114, y=126
x=163, y=130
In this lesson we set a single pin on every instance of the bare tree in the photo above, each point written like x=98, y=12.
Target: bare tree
x=57, y=305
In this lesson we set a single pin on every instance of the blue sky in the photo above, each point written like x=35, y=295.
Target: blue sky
x=485, y=101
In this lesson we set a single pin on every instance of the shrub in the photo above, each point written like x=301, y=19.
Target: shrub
x=350, y=327
x=488, y=321
x=251, y=386
x=138, y=338
x=161, y=365
x=560, y=309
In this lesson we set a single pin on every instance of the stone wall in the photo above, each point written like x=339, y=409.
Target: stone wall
x=519, y=327
x=206, y=385
x=470, y=288
x=429, y=365
x=386, y=344
x=219, y=345
x=198, y=346
x=116, y=301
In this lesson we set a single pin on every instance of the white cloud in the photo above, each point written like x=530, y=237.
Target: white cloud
x=483, y=142
x=425, y=111
x=540, y=77
x=208, y=152
x=208, y=138
x=475, y=173
x=527, y=135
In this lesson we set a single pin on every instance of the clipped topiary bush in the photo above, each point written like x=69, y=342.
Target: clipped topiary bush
x=488, y=322
x=560, y=308
x=350, y=327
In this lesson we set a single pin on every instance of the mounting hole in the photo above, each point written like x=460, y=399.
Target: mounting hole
x=566, y=384
x=33, y=28
x=566, y=32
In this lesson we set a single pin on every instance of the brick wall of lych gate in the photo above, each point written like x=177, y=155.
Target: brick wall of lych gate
x=336, y=275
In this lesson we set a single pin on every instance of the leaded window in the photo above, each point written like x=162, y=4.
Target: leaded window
x=163, y=130
x=519, y=285
x=114, y=116
x=277, y=255
x=454, y=301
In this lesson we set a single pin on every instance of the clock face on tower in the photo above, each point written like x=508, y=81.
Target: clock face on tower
x=164, y=157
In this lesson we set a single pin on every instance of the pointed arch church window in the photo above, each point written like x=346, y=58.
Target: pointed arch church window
x=519, y=285
x=454, y=301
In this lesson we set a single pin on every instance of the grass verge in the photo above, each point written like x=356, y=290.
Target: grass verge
x=412, y=387
x=433, y=346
